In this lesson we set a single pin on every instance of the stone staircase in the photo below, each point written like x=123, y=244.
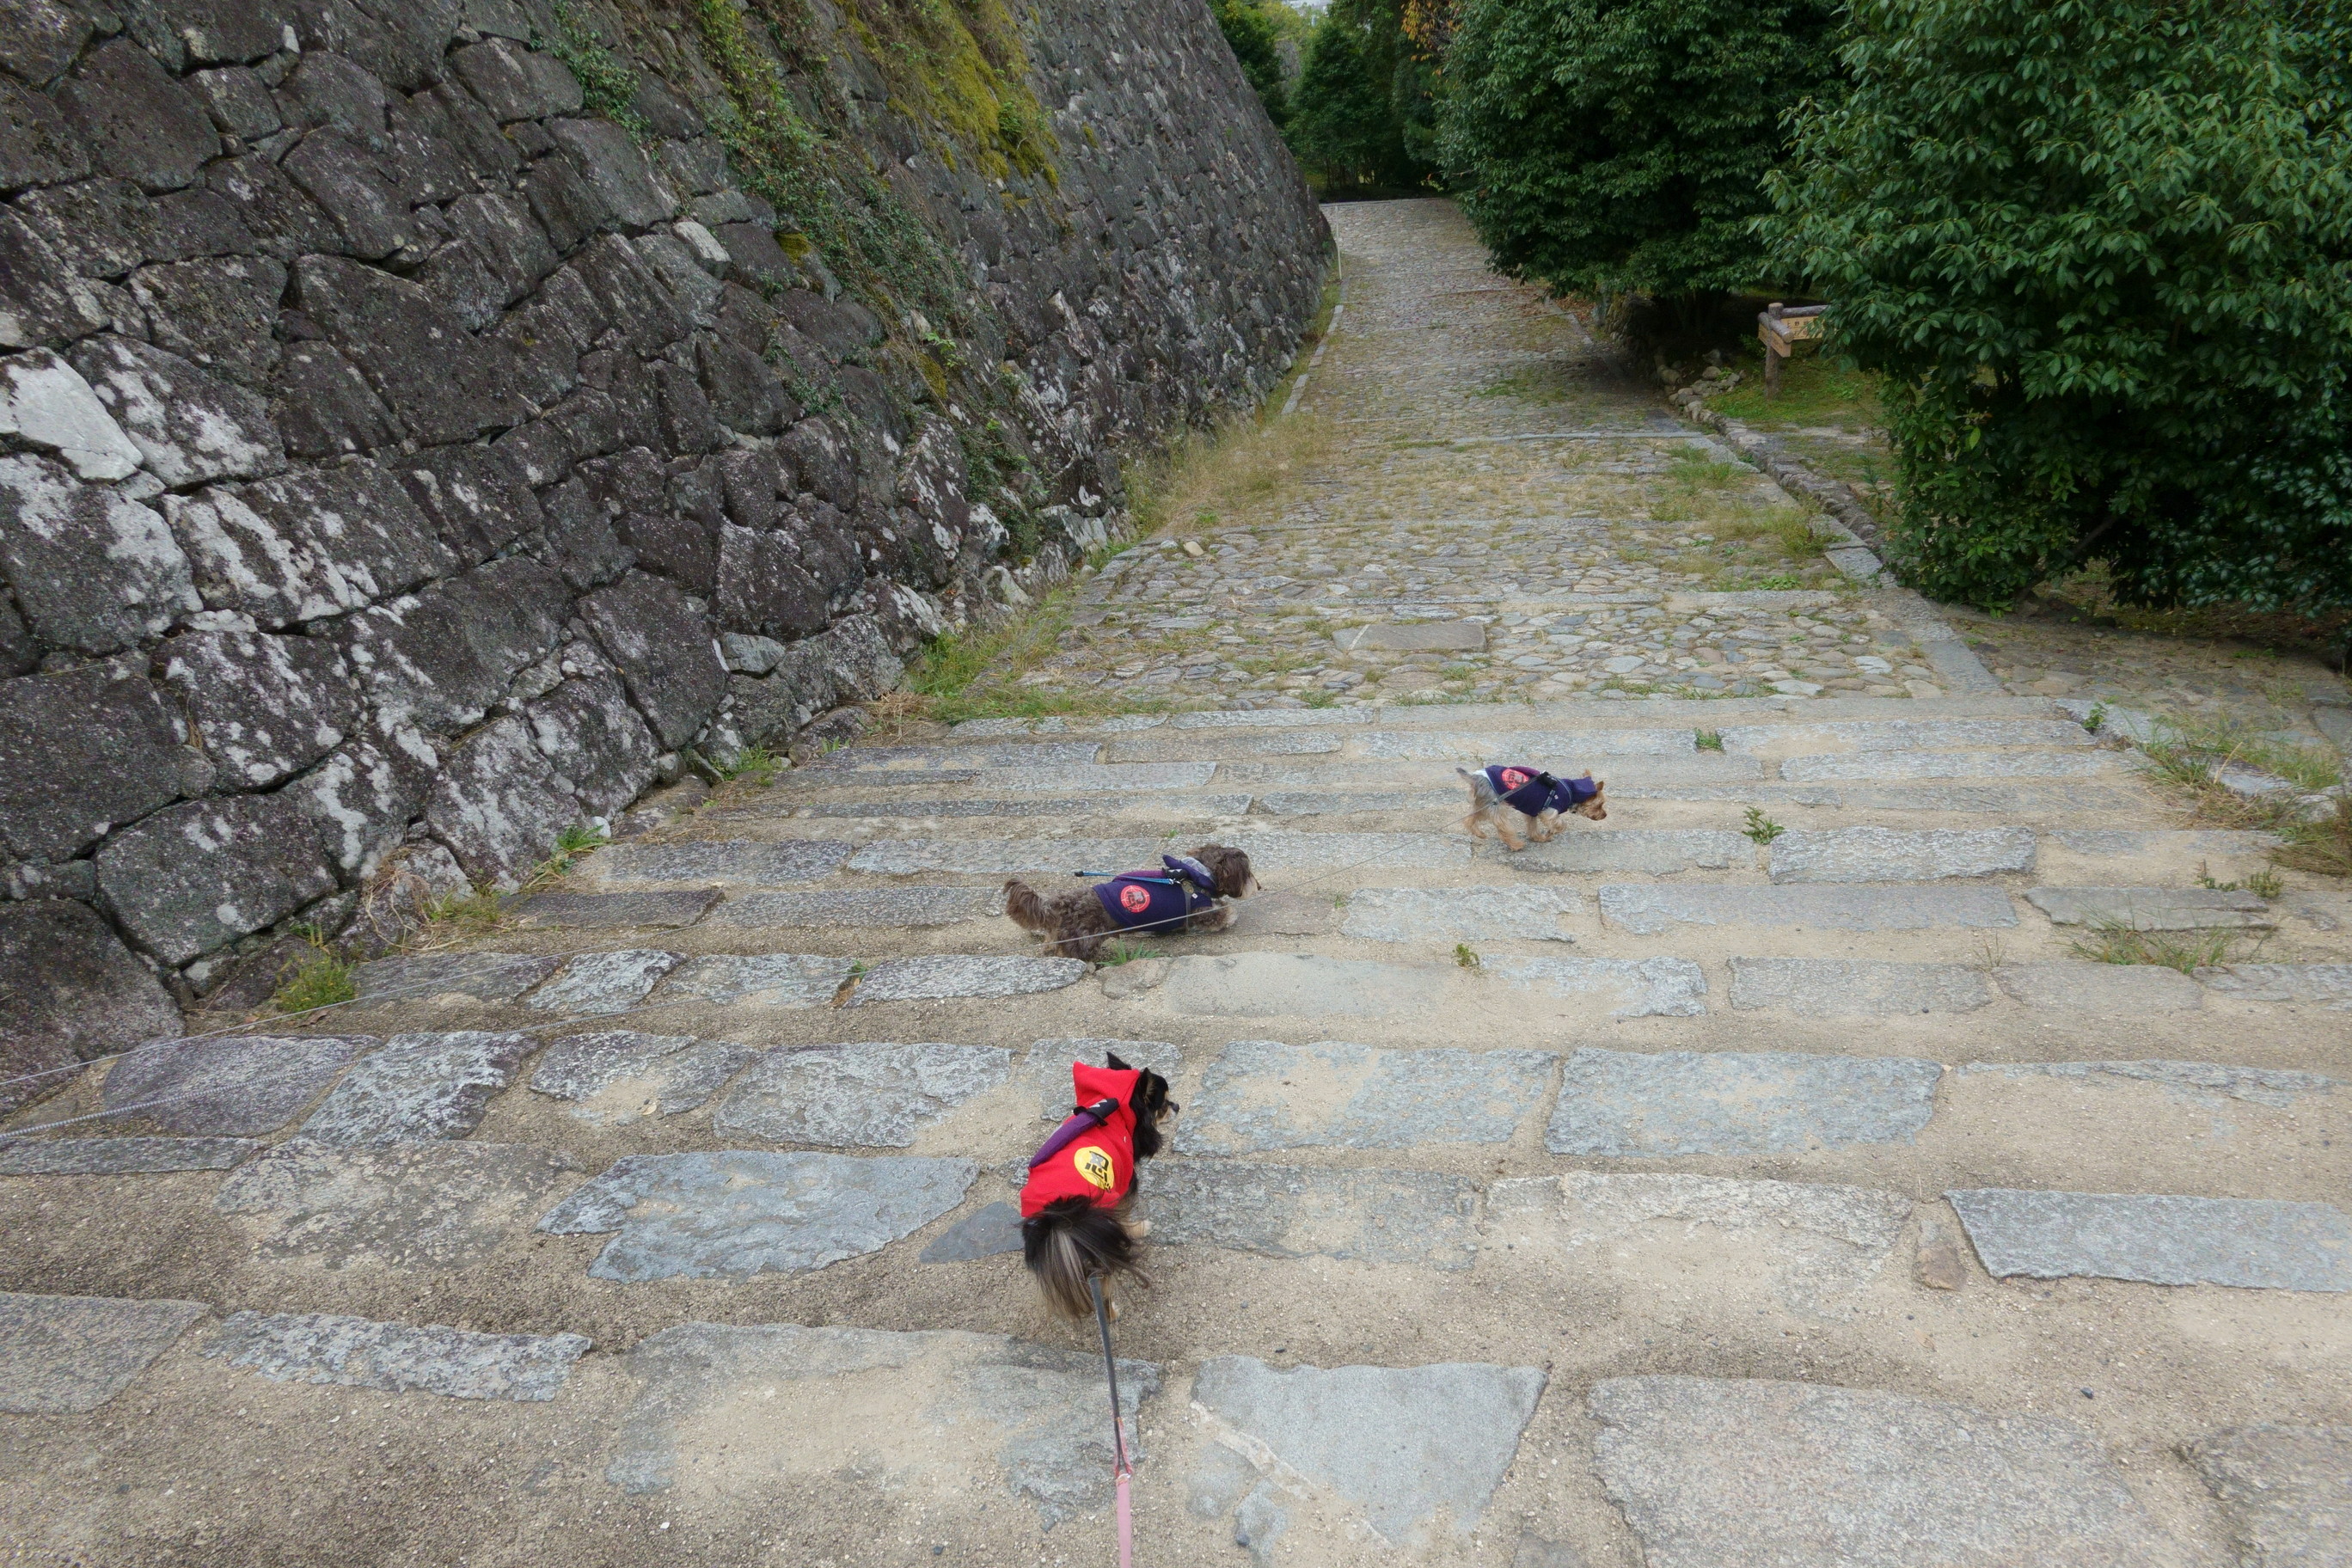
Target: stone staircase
x=1653, y=1197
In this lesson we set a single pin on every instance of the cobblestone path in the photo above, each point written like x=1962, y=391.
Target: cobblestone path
x=1481, y=510
x=1766, y=1174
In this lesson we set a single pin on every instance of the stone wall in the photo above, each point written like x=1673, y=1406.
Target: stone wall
x=413, y=444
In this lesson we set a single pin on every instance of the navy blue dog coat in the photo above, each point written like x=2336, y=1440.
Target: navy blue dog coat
x=1525, y=790
x=1162, y=898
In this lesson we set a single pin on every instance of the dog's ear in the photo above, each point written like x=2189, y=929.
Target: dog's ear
x=1228, y=868
x=1111, y=1060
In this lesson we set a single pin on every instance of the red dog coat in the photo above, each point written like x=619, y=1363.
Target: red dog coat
x=1098, y=1165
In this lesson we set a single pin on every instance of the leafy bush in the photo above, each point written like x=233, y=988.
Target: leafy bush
x=1359, y=114
x=1621, y=144
x=2102, y=250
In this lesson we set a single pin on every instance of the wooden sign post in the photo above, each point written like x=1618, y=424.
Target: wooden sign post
x=1780, y=329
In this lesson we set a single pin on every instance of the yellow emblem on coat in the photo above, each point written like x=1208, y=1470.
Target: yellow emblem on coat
x=1094, y=1167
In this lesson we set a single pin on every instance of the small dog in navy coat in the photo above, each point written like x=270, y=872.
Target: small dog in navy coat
x=1186, y=894
x=1503, y=792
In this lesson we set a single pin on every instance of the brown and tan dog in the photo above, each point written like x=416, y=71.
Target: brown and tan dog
x=1506, y=791
x=1186, y=893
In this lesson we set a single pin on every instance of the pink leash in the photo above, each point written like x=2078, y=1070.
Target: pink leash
x=1118, y=1431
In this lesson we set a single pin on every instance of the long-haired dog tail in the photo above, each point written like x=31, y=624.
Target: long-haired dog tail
x=1070, y=1240
x=1026, y=907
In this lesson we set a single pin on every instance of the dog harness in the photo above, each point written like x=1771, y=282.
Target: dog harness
x=1527, y=790
x=1092, y=1154
x=1160, y=899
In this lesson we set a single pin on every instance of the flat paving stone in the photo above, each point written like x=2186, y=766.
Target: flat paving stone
x=399, y=1357
x=725, y=861
x=1647, y=910
x=2158, y=1238
x=2101, y=987
x=617, y=1078
x=1644, y=988
x=596, y=984
x=1715, y=1471
x=868, y=1094
x=2127, y=842
x=890, y=908
x=1045, y=1071
x=1875, y=766
x=1415, y=1451
x=61, y=1355
x=1355, y=803
x=1461, y=914
x=1845, y=987
x=2329, y=984
x=418, y=1085
x=1663, y=851
x=453, y=977
x=950, y=976
x=1891, y=855
x=1150, y=803
x=230, y=1086
x=988, y=1231
x=1320, y=852
x=760, y=979
x=1993, y=800
x=744, y=1408
x=2202, y=1083
x=2152, y=909
x=1544, y=747
x=1423, y=637
x=2287, y=1491
x=1272, y=719
x=896, y=759
x=435, y=1205
x=123, y=1156
x=1424, y=1219
x=1282, y=985
x=1910, y=734
x=1266, y=914
x=1259, y=1095
x=1106, y=780
x=1649, y=1105
x=1824, y=1243
x=735, y=1212
x=653, y=908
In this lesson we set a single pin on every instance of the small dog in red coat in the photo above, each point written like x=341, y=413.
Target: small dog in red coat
x=1075, y=1208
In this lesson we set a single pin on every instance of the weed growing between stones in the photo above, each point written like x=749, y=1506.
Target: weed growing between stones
x=1231, y=473
x=322, y=979
x=1115, y=954
x=607, y=87
x=976, y=673
x=1710, y=740
x=2324, y=847
x=1761, y=828
x=1465, y=956
x=2187, y=952
x=755, y=765
x=2264, y=885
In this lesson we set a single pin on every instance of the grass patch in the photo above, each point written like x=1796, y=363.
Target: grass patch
x=2324, y=847
x=756, y=764
x=1814, y=390
x=1710, y=740
x=2187, y=952
x=2264, y=885
x=1231, y=475
x=321, y=979
x=976, y=673
x=1112, y=954
x=1465, y=956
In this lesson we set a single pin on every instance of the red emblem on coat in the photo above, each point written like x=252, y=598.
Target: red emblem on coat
x=1513, y=779
x=1136, y=899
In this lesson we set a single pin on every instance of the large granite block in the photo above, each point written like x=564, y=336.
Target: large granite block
x=2101, y=987
x=2287, y=1491
x=1423, y=1218
x=1279, y=984
x=1887, y=855
x=61, y=1355
x=434, y=1204
x=52, y=526
x=1643, y=987
x=74, y=993
x=948, y=977
x=888, y=909
x=1625, y=1104
x=619, y=1077
x=1262, y=1094
x=447, y=978
x=2161, y=1238
x=732, y=861
x=604, y=983
x=123, y=1156
x=1841, y=987
x=234, y=1086
x=1662, y=852
x=2329, y=985
x=398, y=1358
x=1911, y=734
x=83, y=750
x=1648, y=911
x=1459, y=914
x=189, y=427
x=735, y=1213
x=1714, y=1471
x=597, y=912
x=2152, y=909
x=196, y=877
x=418, y=1087
x=762, y=980
x=1889, y=766
x=868, y=1094
x=2203, y=1084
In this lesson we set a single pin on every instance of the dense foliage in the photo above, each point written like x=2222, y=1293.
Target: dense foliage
x=1621, y=144
x=2102, y=250
x=1361, y=115
x=1255, y=29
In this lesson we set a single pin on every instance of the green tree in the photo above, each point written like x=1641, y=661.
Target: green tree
x=2102, y=251
x=1360, y=90
x=1255, y=29
x=1621, y=144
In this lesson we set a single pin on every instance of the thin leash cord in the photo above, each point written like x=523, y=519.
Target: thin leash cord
x=1179, y=919
x=1123, y=1469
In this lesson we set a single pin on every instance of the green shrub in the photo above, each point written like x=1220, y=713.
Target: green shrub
x=2103, y=254
x=1255, y=29
x=1359, y=114
x=1621, y=144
